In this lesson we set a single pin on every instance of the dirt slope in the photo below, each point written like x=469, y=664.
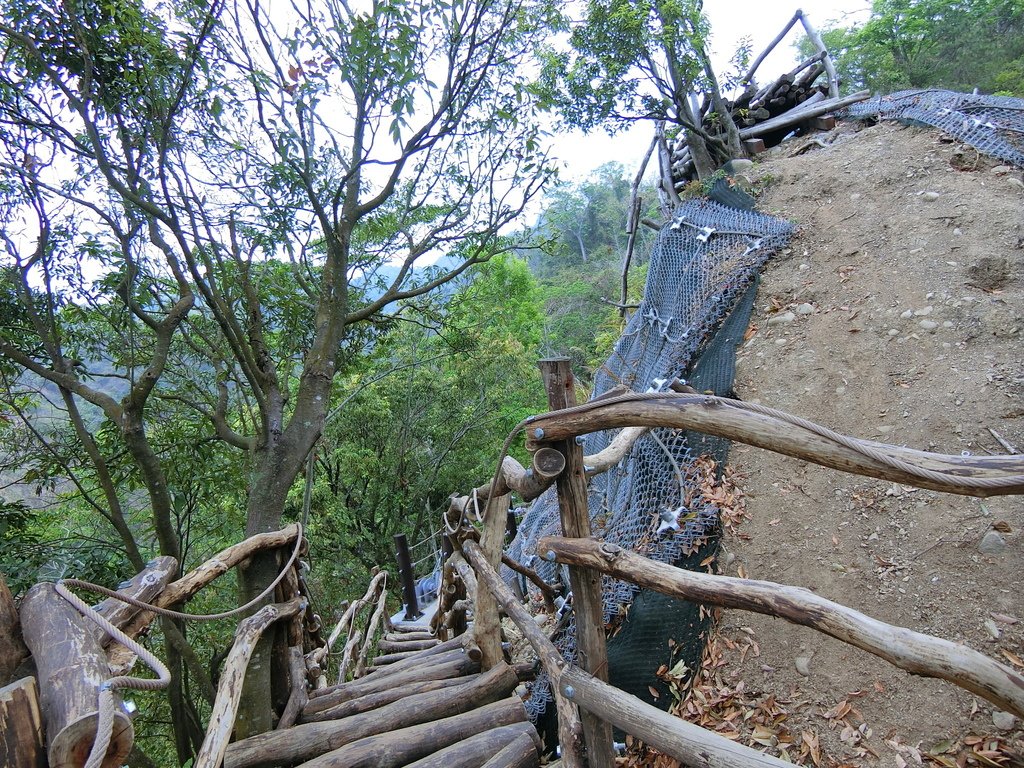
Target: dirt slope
x=897, y=315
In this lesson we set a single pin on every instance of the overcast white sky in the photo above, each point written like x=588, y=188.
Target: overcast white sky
x=731, y=20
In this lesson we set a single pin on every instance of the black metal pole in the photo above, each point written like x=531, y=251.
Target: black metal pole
x=511, y=524
x=412, y=609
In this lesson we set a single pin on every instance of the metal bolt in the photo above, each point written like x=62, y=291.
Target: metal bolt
x=569, y=691
x=538, y=433
x=550, y=555
x=580, y=439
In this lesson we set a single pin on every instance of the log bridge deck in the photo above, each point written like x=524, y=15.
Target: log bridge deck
x=425, y=704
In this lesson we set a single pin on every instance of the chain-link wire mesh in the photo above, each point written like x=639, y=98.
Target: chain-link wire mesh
x=994, y=125
x=701, y=264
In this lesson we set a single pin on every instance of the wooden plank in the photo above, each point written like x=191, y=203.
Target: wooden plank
x=823, y=123
x=476, y=750
x=753, y=146
x=21, y=726
x=917, y=653
x=591, y=651
x=308, y=741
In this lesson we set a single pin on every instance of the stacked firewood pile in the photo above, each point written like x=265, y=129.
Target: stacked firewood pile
x=766, y=115
x=796, y=87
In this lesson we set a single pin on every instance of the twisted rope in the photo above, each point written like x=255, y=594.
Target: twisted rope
x=105, y=724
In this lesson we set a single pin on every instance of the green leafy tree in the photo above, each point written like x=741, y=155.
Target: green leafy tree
x=959, y=45
x=426, y=419
x=213, y=201
x=630, y=61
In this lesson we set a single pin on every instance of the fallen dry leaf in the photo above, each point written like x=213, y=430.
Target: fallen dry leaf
x=1012, y=657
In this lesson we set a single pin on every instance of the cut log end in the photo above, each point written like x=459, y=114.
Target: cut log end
x=70, y=747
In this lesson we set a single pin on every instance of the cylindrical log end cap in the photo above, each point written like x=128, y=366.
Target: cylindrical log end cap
x=548, y=462
x=70, y=748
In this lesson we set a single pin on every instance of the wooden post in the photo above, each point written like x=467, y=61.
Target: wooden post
x=12, y=647
x=586, y=583
x=412, y=608
x=21, y=726
x=486, y=622
x=72, y=666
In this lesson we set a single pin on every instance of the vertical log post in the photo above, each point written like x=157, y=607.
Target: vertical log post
x=412, y=608
x=511, y=524
x=586, y=583
x=21, y=726
x=486, y=622
x=12, y=646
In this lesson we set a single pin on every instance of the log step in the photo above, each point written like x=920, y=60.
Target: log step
x=456, y=713
x=475, y=751
x=401, y=636
x=390, y=646
x=402, y=746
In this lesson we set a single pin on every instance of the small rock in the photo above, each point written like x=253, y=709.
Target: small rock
x=1002, y=170
x=855, y=197
x=739, y=165
x=1015, y=182
x=992, y=543
x=924, y=311
x=906, y=314
x=805, y=309
x=1003, y=721
x=803, y=666
x=928, y=325
x=956, y=231
x=804, y=267
x=930, y=197
x=992, y=629
x=893, y=332
x=785, y=317
x=780, y=342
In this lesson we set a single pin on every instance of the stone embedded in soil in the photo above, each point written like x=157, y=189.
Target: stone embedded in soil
x=803, y=665
x=992, y=543
x=785, y=317
x=930, y=197
x=805, y=309
x=1003, y=721
x=928, y=325
x=1002, y=170
x=906, y=314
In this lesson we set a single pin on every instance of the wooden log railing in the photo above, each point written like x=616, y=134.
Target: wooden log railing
x=580, y=695
x=782, y=433
x=914, y=652
x=575, y=689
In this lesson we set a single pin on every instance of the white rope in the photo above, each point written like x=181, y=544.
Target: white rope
x=106, y=704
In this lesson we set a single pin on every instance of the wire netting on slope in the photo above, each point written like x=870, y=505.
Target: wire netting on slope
x=701, y=265
x=994, y=125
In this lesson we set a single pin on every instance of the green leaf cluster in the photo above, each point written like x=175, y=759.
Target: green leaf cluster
x=956, y=44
